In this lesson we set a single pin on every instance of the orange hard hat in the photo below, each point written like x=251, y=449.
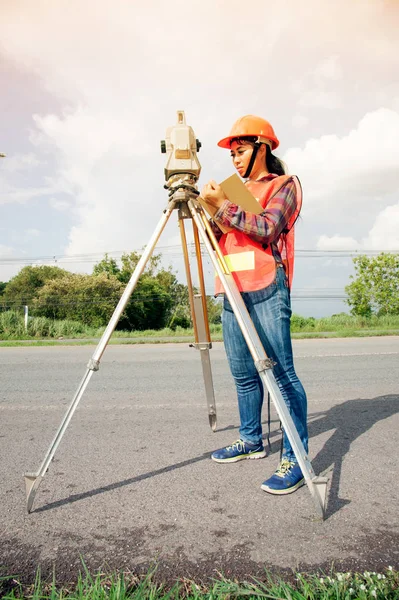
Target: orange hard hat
x=251, y=126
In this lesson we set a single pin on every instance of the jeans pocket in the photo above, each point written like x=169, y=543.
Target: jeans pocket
x=252, y=298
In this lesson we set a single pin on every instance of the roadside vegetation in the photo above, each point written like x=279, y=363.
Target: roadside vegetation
x=159, y=300
x=343, y=586
x=68, y=305
x=12, y=327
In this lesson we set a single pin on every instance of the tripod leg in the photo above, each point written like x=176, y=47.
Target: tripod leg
x=316, y=485
x=188, y=272
x=200, y=321
x=32, y=480
x=203, y=345
x=204, y=341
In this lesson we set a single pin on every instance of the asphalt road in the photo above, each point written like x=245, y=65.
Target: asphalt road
x=132, y=482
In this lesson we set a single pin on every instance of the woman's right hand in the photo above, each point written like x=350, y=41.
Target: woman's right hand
x=213, y=194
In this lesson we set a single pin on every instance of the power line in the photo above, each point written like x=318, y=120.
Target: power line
x=175, y=250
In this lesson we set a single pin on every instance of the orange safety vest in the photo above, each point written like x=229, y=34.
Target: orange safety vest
x=253, y=266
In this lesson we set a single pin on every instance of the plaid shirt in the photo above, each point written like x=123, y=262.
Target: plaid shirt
x=266, y=227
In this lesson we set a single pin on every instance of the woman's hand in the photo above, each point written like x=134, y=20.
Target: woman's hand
x=213, y=194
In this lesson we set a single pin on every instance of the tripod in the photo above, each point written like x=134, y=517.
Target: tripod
x=184, y=198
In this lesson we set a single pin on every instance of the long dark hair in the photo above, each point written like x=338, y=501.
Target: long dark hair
x=273, y=164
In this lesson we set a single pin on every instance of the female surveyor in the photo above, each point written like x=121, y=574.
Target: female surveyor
x=260, y=256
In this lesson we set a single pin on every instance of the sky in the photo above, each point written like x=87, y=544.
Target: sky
x=87, y=90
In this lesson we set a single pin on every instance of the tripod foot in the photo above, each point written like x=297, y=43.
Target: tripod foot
x=212, y=421
x=318, y=489
x=32, y=482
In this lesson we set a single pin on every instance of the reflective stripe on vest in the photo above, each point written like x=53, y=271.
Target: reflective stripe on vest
x=242, y=261
x=253, y=267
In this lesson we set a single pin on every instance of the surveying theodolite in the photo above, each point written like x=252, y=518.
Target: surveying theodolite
x=181, y=173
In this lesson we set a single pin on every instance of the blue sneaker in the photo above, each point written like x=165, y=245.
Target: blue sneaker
x=285, y=480
x=238, y=451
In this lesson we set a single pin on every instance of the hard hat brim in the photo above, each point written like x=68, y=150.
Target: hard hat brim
x=226, y=142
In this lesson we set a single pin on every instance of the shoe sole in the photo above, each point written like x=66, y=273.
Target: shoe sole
x=255, y=455
x=290, y=490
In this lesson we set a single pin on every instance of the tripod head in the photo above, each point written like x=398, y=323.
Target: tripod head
x=182, y=168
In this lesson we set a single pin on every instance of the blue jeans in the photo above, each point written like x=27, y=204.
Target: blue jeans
x=270, y=311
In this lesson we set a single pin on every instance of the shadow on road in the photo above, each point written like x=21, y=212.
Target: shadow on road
x=124, y=482
x=348, y=421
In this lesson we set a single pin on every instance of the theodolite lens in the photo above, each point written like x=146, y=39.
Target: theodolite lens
x=198, y=145
x=163, y=146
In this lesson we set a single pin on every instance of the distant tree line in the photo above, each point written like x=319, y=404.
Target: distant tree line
x=158, y=300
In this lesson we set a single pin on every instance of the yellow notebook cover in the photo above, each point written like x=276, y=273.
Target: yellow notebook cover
x=237, y=192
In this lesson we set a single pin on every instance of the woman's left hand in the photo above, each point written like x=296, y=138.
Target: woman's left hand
x=213, y=194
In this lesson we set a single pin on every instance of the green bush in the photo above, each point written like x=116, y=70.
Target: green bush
x=299, y=323
x=24, y=287
x=12, y=325
x=90, y=299
x=40, y=327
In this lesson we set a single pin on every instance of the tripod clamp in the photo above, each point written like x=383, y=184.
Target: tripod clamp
x=93, y=365
x=264, y=364
x=201, y=346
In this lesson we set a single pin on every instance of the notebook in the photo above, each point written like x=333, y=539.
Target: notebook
x=237, y=192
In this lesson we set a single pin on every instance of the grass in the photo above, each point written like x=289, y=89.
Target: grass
x=43, y=331
x=122, y=586
x=343, y=322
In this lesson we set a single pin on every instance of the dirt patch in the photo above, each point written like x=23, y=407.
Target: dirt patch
x=373, y=553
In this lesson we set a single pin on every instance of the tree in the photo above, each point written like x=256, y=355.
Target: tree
x=375, y=287
x=130, y=261
x=148, y=307
x=90, y=299
x=215, y=308
x=107, y=265
x=24, y=287
x=158, y=300
x=180, y=314
x=2, y=287
x=153, y=298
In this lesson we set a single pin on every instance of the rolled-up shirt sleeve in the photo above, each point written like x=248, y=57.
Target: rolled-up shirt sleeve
x=266, y=227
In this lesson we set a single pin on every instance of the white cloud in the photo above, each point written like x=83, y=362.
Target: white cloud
x=61, y=205
x=19, y=162
x=8, y=262
x=383, y=236
x=20, y=167
x=299, y=121
x=329, y=68
x=318, y=88
x=336, y=242
x=32, y=232
x=385, y=231
x=315, y=97
x=6, y=251
x=18, y=195
x=345, y=176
